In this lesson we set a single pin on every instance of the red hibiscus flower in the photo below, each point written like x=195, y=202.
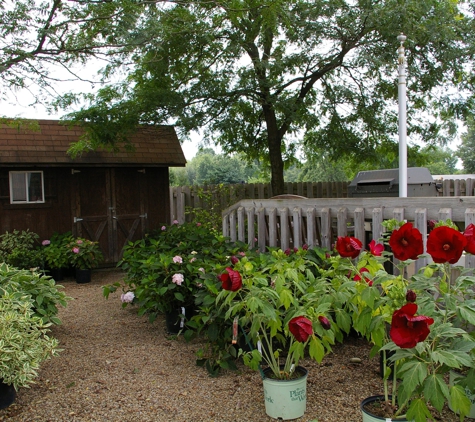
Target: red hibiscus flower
x=406, y=242
x=231, y=280
x=301, y=328
x=406, y=329
x=325, y=322
x=375, y=249
x=445, y=244
x=348, y=247
x=469, y=234
x=360, y=276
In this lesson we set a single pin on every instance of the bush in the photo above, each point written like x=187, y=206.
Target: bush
x=20, y=249
x=25, y=342
x=44, y=293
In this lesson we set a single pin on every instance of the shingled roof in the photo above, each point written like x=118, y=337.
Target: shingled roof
x=154, y=146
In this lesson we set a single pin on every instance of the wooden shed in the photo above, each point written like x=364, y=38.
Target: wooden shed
x=109, y=197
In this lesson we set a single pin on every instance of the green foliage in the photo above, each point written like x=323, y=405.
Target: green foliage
x=277, y=287
x=84, y=253
x=264, y=78
x=24, y=339
x=45, y=295
x=56, y=253
x=19, y=249
x=466, y=151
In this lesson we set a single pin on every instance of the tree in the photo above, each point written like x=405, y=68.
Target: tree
x=40, y=38
x=263, y=77
x=466, y=151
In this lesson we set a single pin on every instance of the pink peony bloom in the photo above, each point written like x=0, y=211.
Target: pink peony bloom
x=75, y=250
x=178, y=259
x=175, y=222
x=45, y=242
x=163, y=228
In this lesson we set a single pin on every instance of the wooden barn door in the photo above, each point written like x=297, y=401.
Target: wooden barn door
x=110, y=208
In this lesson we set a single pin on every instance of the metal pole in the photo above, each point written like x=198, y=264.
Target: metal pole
x=402, y=118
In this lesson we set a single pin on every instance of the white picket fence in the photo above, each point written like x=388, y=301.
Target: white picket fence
x=289, y=223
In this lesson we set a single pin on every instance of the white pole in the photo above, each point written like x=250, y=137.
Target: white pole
x=402, y=119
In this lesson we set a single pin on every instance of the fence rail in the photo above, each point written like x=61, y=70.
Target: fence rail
x=289, y=223
x=219, y=197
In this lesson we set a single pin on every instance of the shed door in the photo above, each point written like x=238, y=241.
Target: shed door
x=110, y=208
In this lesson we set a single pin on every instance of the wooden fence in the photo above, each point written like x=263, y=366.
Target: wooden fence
x=219, y=197
x=289, y=223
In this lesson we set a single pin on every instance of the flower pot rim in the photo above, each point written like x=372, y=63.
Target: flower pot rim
x=301, y=369
x=378, y=397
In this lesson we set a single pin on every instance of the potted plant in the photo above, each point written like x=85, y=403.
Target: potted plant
x=25, y=341
x=56, y=254
x=283, y=305
x=423, y=321
x=84, y=255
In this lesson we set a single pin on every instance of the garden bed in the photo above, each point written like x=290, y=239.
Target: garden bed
x=116, y=366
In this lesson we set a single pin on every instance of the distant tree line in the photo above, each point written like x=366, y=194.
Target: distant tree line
x=209, y=167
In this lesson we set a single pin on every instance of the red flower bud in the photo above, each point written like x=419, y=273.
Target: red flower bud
x=234, y=260
x=287, y=252
x=411, y=296
x=305, y=247
x=325, y=322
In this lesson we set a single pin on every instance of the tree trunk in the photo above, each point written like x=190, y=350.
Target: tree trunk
x=276, y=163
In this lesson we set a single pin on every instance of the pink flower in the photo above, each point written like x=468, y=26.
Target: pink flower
x=75, y=250
x=127, y=297
x=163, y=228
x=178, y=259
x=375, y=248
x=193, y=259
x=79, y=241
x=178, y=279
x=175, y=222
x=198, y=224
x=45, y=242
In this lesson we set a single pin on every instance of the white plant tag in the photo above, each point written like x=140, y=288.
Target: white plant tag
x=182, y=322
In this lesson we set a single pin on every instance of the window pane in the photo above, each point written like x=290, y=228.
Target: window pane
x=18, y=187
x=35, y=192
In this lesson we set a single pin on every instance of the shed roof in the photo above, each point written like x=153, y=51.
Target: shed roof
x=154, y=146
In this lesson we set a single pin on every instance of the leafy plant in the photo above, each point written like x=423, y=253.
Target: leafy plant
x=84, y=253
x=25, y=342
x=44, y=293
x=424, y=321
x=56, y=251
x=19, y=249
x=283, y=307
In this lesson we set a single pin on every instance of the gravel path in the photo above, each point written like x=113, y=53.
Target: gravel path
x=116, y=366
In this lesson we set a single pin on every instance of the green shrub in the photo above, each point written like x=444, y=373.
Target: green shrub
x=44, y=293
x=20, y=249
x=24, y=339
x=56, y=250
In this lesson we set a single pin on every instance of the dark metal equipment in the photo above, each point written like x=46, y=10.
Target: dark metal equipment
x=377, y=183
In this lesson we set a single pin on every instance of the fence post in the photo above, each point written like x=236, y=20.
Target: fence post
x=272, y=227
x=326, y=228
x=420, y=223
x=297, y=225
x=284, y=228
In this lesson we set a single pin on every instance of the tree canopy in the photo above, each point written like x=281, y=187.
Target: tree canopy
x=267, y=77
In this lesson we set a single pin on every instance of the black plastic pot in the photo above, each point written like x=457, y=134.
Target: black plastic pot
x=7, y=395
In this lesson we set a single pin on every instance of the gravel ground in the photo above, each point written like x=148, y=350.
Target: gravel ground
x=116, y=366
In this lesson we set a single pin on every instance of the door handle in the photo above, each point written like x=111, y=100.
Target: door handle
x=143, y=215
x=77, y=219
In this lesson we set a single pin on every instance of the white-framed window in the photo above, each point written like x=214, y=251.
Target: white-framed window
x=26, y=187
